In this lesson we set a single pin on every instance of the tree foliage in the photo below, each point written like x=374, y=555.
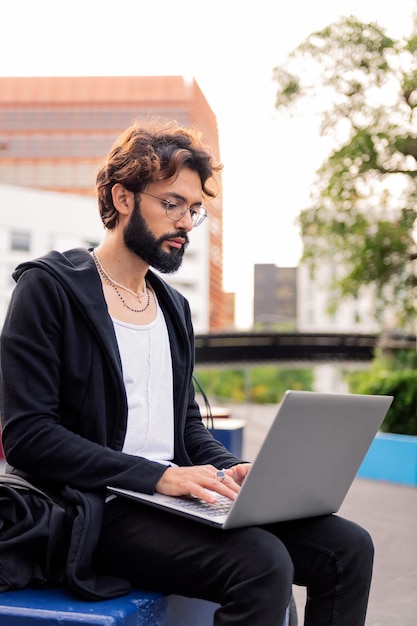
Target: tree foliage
x=396, y=376
x=363, y=211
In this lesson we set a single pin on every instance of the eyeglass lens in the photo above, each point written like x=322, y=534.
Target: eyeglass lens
x=176, y=209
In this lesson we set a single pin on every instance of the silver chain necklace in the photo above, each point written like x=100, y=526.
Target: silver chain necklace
x=109, y=280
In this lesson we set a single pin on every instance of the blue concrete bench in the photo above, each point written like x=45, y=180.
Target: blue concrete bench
x=29, y=607
x=52, y=607
x=391, y=457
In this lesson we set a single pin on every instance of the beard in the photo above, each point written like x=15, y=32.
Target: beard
x=140, y=240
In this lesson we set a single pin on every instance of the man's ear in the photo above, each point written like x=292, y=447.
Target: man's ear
x=123, y=199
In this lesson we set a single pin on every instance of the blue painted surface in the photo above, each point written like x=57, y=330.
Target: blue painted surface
x=391, y=458
x=30, y=607
x=229, y=432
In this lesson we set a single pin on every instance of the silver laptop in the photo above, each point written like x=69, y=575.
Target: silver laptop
x=304, y=468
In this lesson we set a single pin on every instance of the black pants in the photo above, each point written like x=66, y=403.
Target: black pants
x=249, y=571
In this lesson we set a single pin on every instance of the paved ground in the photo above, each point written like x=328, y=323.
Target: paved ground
x=388, y=511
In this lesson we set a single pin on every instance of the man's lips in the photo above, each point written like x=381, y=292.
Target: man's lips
x=176, y=242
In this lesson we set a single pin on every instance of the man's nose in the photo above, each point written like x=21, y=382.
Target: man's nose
x=186, y=221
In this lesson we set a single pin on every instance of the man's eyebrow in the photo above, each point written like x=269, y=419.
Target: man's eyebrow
x=178, y=196
x=174, y=194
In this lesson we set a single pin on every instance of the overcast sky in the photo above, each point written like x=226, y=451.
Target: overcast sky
x=230, y=47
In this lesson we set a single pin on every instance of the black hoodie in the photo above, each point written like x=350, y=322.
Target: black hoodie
x=63, y=401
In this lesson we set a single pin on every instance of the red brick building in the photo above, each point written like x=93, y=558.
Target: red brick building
x=54, y=132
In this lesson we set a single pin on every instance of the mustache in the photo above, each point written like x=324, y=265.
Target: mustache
x=179, y=233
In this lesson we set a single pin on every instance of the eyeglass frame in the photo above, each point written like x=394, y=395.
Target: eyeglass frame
x=197, y=215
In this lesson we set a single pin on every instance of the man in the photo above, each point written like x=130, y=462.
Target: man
x=97, y=363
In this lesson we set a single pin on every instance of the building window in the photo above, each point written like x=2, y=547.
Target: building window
x=20, y=241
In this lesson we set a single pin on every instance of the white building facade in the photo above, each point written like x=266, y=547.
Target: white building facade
x=355, y=315
x=33, y=222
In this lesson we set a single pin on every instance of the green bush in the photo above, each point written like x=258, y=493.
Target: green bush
x=261, y=385
x=394, y=376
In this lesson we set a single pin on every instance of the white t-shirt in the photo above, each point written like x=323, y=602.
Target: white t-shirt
x=147, y=374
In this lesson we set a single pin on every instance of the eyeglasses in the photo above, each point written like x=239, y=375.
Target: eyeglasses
x=176, y=210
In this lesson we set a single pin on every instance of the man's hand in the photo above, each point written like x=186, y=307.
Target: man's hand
x=201, y=481
x=239, y=472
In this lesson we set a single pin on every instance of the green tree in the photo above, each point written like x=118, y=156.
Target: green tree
x=363, y=85
x=396, y=376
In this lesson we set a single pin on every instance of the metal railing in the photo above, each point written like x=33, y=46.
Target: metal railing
x=217, y=348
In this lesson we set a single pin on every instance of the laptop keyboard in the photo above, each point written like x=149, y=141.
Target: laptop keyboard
x=221, y=507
